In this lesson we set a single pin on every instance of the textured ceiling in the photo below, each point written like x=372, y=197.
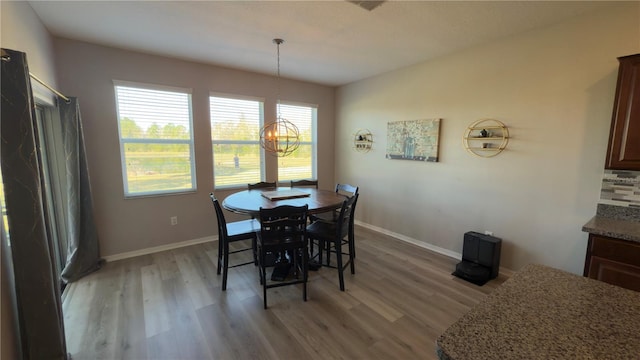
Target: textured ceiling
x=326, y=42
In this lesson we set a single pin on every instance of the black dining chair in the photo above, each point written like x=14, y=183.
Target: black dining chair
x=283, y=231
x=342, y=189
x=261, y=185
x=346, y=190
x=304, y=183
x=232, y=232
x=333, y=235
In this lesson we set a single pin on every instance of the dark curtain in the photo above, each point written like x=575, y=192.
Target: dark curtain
x=82, y=253
x=37, y=286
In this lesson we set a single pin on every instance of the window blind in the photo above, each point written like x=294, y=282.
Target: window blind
x=156, y=140
x=235, y=137
x=301, y=163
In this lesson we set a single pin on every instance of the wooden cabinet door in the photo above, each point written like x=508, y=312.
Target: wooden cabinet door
x=614, y=272
x=624, y=138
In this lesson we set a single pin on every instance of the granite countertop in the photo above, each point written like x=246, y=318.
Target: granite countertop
x=615, y=221
x=616, y=228
x=545, y=313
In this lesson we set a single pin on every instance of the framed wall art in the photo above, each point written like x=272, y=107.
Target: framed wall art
x=415, y=140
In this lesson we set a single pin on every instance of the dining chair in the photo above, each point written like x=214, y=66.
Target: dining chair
x=342, y=189
x=261, y=185
x=304, y=183
x=333, y=235
x=346, y=190
x=232, y=232
x=283, y=231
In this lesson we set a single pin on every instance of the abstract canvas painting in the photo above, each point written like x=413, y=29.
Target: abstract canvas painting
x=413, y=140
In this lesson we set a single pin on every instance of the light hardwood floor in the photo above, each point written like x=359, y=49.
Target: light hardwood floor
x=169, y=305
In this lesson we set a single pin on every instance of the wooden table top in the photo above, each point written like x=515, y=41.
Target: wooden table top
x=250, y=201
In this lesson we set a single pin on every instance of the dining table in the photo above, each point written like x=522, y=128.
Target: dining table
x=249, y=202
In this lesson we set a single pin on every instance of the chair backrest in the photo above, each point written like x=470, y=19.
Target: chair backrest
x=346, y=189
x=345, y=219
x=283, y=224
x=261, y=185
x=300, y=183
x=222, y=222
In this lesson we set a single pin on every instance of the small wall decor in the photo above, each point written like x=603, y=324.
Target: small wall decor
x=413, y=140
x=486, y=137
x=363, y=140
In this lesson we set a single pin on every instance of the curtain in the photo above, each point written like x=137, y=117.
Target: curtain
x=37, y=286
x=82, y=252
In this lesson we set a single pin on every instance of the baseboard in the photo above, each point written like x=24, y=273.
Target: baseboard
x=156, y=249
x=437, y=249
x=452, y=254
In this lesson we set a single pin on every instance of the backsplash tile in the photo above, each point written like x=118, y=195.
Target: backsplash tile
x=621, y=188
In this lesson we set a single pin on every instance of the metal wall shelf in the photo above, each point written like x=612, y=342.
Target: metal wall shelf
x=486, y=138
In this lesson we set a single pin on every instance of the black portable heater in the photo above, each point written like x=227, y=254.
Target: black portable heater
x=480, y=258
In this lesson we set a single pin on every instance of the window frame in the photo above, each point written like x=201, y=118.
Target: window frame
x=260, y=102
x=122, y=141
x=314, y=136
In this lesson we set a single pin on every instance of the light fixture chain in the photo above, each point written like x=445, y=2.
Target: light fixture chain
x=278, y=42
x=281, y=137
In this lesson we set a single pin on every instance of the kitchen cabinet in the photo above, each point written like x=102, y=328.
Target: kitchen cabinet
x=613, y=261
x=623, y=152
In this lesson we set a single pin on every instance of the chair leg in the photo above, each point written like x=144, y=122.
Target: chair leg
x=219, y=256
x=261, y=258
x=338, y=246
x=225, y=265
x=328, y=250
x=263, y=276
x=352, y=240
x=254, y=247
x=305, y=272
x=352, y=255
x=320, y=250
x=264, y=293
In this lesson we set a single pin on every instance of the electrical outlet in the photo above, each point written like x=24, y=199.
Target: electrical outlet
x=174, y=220
x=487, y=232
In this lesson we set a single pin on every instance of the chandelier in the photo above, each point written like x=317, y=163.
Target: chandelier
x=280, y=137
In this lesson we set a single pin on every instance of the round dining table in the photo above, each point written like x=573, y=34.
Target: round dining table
x=249, y=202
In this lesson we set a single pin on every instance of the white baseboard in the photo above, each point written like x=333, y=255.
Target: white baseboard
x=156, y=249
x=452, y=254
x=422, y=244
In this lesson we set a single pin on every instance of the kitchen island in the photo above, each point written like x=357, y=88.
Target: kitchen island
x=545, y=313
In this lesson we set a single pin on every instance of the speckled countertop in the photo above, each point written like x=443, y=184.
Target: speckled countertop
x=621, y=229
x=545, y=313
x=615, y=221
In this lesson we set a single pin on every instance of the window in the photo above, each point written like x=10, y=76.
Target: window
x=301, y=164
x=54, y=180
x=235, y=138
x=156, y=139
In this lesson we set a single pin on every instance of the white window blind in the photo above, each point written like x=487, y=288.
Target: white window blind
x=301, y=164
x=156, y=140
x=235, y=138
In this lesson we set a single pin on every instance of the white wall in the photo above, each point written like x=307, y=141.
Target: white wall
x=21, y=30
x=87, y=71
x=553, y=88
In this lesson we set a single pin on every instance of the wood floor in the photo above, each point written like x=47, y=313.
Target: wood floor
x=169, y=305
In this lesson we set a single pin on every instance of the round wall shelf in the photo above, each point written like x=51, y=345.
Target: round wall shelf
x=486, y=137
x=363, y=140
